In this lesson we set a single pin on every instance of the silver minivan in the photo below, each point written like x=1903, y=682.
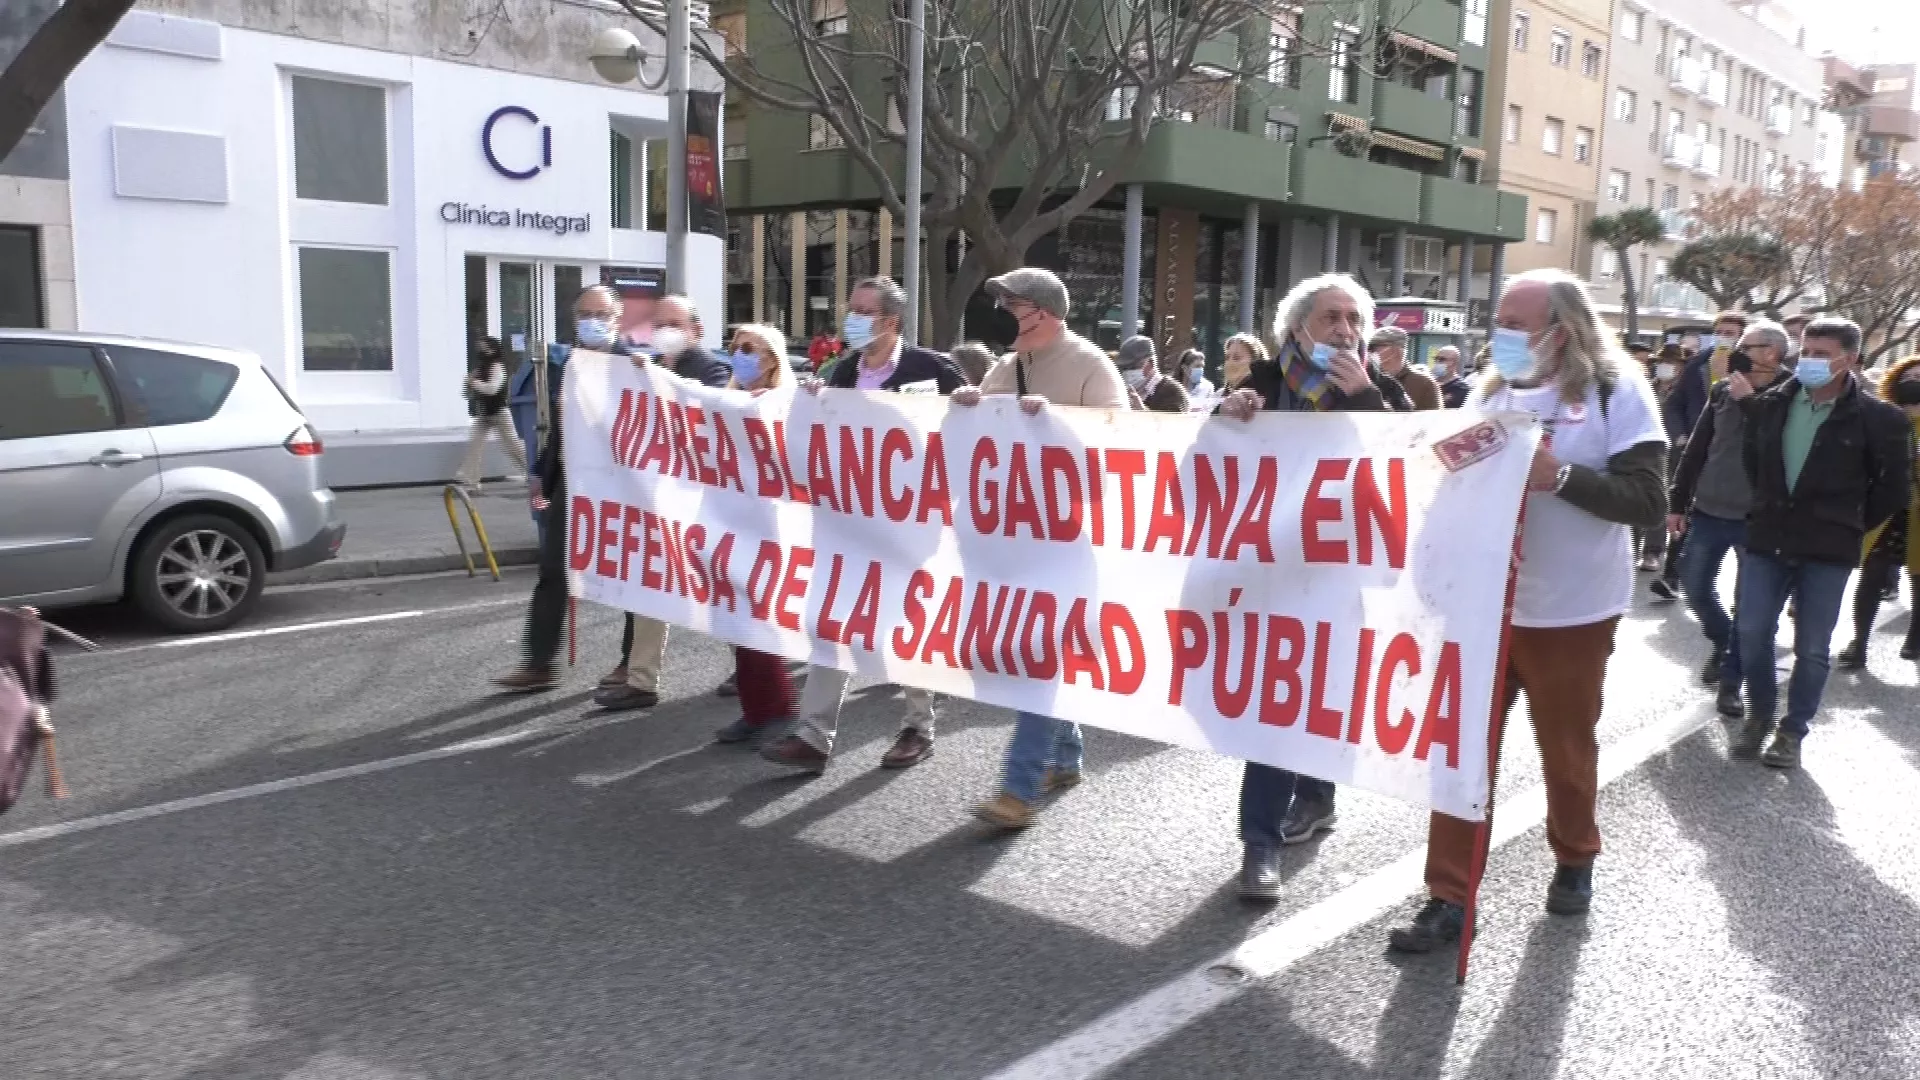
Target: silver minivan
x=174, y=475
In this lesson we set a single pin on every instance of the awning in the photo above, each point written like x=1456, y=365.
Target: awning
x=1342, y=122
x=1408, y=41
x=1473, y=152
x=1410, y=146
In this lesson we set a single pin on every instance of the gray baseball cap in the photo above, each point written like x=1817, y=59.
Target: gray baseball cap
x=1387, y=335
x=1136, y=351
x=1034, y=285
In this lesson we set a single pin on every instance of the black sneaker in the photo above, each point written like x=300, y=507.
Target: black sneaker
x=1305, y=819
x=1783, y=752
x=1710, y=671
x=1260, y=874
x=1663, y=589
x=1852, y=658
x=1728, y=702
x=1572, y=890
x=1437, y=923
x=1753, y=735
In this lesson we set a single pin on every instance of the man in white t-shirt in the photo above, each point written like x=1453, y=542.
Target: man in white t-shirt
x=1599, y=474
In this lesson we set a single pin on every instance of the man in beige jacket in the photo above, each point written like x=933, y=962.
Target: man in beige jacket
x=1049, y=364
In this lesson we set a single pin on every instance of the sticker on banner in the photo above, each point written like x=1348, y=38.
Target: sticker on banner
x=1477, y=443
x=1577, y=413
x=924, y=386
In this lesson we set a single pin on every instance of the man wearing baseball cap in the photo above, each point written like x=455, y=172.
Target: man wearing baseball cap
x=1388, y=344
x=1049, y=364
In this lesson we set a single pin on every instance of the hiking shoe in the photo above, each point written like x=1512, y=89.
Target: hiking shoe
x=1783, y=752
x=1005, y=811
x=796, y=753
x=1260, y=874
x=1728, y=702
x=1852, y=658
x=1571, y=892
x=1305, y=819
x=526, y=680
x=1437, y=923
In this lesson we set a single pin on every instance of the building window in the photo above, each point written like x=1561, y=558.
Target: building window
x=1522, y=26
x=1282, y=132
x=1283, y=67
x=1466, y=170
x=339, y=141
x=22, y=299
x=1512, y=130
x=1544, y=226
x=1605, y=263
x=1120, y=103
x=346, y=309
x=1670, y=198
x=821, y=134
x=1343, y=79
x=1813, y=112
x=1592, y=59
x=829, y=17
x=1626, y=105
x=1473, y=29
x=1583, y=145
x=1633, y=24
x=1619, y=186
x=1560, y=48
x=620, y=181
x=1552, y=135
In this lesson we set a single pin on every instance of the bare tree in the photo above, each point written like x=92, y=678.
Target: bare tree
x=50, y=55
x=1035, y=109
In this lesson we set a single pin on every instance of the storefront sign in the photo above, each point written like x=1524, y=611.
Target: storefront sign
x=1173, y=280
x=1422, y=320
x=459, y=213
x=487, y=134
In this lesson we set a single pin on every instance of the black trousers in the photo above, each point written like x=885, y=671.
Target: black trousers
x=547, y=612
x=1881, y=568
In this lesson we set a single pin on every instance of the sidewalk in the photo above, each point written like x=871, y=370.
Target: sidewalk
x=405, y=531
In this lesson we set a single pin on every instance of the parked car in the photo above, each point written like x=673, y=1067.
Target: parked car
x=173, y=475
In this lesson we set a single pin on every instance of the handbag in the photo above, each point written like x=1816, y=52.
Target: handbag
x=26, y=691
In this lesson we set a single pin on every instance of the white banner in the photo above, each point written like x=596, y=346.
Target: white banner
x=1320, y=592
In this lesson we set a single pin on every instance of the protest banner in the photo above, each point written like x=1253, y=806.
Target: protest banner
x=1320, y=592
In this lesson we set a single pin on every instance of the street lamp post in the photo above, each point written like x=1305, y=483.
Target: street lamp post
x=616, y=55
x=916, y=132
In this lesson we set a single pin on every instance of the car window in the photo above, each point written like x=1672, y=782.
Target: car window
x=172, y=388
x=52, y=388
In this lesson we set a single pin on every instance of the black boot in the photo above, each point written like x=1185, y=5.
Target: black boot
x=1437, y=924
x=1572, y=890
x=1853, y=657
x=1260, y=874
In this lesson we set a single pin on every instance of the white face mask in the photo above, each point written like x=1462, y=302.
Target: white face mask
x=670, y=340
x=1663, y=371
x=1136, y=378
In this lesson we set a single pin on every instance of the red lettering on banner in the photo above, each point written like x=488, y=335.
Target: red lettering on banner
x=906, y=639
x=1320, y=719
x=682, y=456
x=977, y=637
x=760, y=443
x=696, y=421
x=795, y=492
x=1096, y=497
x=1041, y=616
x=726, y=456
x=795, y=588
x=622, y=430
x=697, y=540
x=763, y=581
x=676, y=558
x=1077, y=655
x=866, y=609
x=1212, y=505
x=1441, y=727
x=824, y=627
x=934, y=493
x=820, y=469
x=1022, y=507
x=986, y=493
x=722, y=575
x=1255, y=527
x=1389, y=514
x=655, y=455
x=1317, y=509
x=945, y=631
x=1116, y=623
x=856, y=471
x=1169, y=520
x=649, y=578
x=1014, y=610
x=1362, y=671
x=1187, y=636
x=629, y=540
x=1277, y=670
x=1231, y=702
x=1128, y=465
x=894, y=444
x=1402, y=652
x=1064, y=512
x=580, y=533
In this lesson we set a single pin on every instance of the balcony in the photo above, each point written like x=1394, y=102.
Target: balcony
x=1680, y=151
x=1437, y=21
x=1450, y=204
x=1340, y=184
x=1902, y=125
x=1215, y=160
x=1687, y=75
x=1513, y=216
x=1406, y=111
x=1715, y=91
x=1706, y=164
x=1678, y=223
x=1675, y=296
x=1779, y=119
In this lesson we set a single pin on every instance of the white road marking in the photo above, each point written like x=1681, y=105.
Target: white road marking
x=1152, y=1017
x=602, y=779
x=295, y=628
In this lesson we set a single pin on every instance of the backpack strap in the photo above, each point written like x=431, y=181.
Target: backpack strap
x=1020, y=373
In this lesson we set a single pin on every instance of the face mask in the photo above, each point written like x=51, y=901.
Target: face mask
x=593, y=333
x=670, y=341
x=1663, y=371
x=746, y=366
x=1321, y=356
x=1814, y=372
x=859, y=331
x=1710, y=342
x=1195, y=376
x=1136, y=378
x=1512, y=354
x=1439, y=371
x=1906, y=392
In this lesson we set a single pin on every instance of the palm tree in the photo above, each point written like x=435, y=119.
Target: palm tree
x=1622, y=232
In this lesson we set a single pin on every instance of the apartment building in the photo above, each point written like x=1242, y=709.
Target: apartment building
x=1703, y=95
x=1878, y=122
x=1552, y=125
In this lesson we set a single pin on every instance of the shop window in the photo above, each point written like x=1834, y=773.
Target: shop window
x=346, y=309
x=22, y=298
x=172, y=388
x=52, y=389
x=339, y=141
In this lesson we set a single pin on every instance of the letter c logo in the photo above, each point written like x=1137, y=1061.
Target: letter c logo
x=486, y=142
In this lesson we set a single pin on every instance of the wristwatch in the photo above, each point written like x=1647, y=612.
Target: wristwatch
x=1560, y=478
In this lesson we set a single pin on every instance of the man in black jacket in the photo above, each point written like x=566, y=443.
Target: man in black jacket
x=1278, y=806
x=1828, y=462
x=1688, y=398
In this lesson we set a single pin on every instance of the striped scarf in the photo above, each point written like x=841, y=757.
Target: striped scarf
x=1307, y=382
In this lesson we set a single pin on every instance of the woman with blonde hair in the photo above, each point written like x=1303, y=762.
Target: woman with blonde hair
x=1242, y=352
x=1894, y=544
x=758, y=356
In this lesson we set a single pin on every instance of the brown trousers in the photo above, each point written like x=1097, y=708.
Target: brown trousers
x=1562, y=670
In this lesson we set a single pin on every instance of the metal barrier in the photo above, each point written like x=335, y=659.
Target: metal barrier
x=451, y=492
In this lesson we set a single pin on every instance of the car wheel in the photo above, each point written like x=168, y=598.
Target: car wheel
x=198, y=573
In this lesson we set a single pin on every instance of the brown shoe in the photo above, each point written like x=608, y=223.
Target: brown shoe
x=616, y=677
x=910, y=748
x=795, y=753
x=526, y=680
x=1051, y=781
x=1005, y=811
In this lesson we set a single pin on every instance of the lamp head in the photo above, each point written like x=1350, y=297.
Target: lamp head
x=616, y=55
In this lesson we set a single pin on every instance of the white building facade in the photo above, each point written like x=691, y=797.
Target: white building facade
x=356, y=215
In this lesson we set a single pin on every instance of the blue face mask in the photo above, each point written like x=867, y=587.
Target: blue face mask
x=859, y=331
x=593, y=333
x=746, y=366
x=1512, y=353
x=1814, y=372
x=1321, y=356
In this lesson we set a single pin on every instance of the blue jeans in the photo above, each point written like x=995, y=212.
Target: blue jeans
x=1266, y=793
x=1709, y=539
x=1039, y=743
x=1817, y=588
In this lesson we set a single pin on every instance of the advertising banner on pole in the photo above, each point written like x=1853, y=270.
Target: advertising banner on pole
x=706, y=209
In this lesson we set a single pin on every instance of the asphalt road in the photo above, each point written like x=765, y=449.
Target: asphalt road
x=322, y=849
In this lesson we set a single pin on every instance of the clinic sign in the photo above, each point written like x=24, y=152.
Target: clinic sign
x=521, y=117
x=518, y=146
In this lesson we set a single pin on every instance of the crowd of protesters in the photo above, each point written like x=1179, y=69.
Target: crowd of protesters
x=1762, y=441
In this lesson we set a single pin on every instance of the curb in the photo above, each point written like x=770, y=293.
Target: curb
x=361, y=569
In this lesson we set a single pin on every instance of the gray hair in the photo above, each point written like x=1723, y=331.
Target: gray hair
x=1297, y=306
x=1256, y=352
x=893, y=298
x=1591, y=353
x=607, y=292
x=973, y=359
x=1768, y=332
x=1841, y=331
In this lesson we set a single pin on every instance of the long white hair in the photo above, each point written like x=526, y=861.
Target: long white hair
x=1297, y=305
x=1590, y=353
